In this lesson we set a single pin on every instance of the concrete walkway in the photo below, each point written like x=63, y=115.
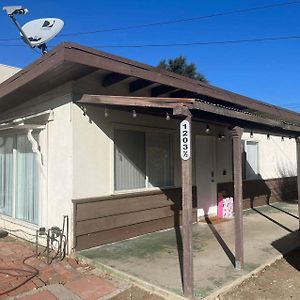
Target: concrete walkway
x=155, y=258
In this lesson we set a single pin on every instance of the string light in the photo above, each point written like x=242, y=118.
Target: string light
x=105, y=112
x=134, y=113
x=207, y=130
x=168, y=117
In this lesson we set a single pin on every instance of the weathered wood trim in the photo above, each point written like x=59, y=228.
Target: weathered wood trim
x=113, y=78
x=187, y=221
x=162, y=89
x=190, y=103
x=133, y=101
x=90, y=57
x=262, y=192
x=122, y=220
x=117, y=234
x=124, y=214
x=236, y=134
x=139, y=84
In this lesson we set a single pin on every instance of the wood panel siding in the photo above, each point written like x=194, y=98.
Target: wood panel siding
x=261, y=192
x=99, y=221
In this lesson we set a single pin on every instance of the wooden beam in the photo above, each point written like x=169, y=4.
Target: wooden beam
x=162, y=89
x=104, y=61
x=187, y=219
x=113, y=78
x=298, y=175
x=134, y=101
x=214, y=109
x=183, y=94
x=167, y=102
x=181, y=111
x=139, y=84
x=236, y=134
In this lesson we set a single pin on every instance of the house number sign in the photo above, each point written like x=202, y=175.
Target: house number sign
x=185, y=140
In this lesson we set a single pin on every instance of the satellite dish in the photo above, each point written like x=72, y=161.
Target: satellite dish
x=35, y=33
x=41, y=31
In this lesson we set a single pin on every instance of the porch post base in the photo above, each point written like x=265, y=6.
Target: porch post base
x=238, y=265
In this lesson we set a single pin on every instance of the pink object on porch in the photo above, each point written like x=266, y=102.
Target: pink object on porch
x=228, y=207
x=220, y=207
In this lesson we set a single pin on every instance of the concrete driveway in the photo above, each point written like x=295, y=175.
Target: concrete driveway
x=156, y=258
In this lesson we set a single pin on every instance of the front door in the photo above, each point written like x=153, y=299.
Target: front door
x=205, y=175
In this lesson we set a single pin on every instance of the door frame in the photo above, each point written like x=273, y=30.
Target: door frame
x=212, y=209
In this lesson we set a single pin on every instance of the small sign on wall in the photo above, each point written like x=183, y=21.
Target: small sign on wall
x=185, y=140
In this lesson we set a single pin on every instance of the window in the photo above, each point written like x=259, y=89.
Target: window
x=6, y=175
x=250, y=165
x=19, y=182
x=142, y=159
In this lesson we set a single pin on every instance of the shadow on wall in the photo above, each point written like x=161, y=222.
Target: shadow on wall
x=257, y=191
x=287, y=185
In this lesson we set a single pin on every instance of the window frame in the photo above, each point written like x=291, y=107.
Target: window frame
x=245, y=148
x=145, y=130
x=12, y=218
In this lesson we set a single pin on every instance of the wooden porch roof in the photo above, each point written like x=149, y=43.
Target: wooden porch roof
x=70, y=62
x=228, y=116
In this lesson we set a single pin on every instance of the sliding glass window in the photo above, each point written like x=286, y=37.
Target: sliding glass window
x=6, y=175
x=19, y=181
x=142, y=159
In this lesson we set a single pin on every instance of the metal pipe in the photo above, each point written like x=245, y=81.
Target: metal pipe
x=36, y=242
x=24, y=36
x=48, y=250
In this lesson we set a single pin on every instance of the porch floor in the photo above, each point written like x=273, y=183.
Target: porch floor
x=268, y=231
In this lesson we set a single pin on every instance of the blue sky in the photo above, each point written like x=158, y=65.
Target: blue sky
x=268, y=71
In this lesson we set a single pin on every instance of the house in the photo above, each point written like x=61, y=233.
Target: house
x=7, y=71
x=96, y=137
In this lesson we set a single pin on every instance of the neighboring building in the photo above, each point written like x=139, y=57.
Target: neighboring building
x=113, y=164
x=7, y=71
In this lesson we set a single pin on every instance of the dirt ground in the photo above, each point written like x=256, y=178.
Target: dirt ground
x=281, y=280
x=135, y=293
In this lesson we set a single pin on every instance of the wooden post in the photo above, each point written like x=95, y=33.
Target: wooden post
x=236, y=135
x=298, y=175
x=187, y=220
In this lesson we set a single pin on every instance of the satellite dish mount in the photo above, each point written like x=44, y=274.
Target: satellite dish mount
x=36, y=32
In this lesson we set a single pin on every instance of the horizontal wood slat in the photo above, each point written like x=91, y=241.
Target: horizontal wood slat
x=115, y=205
x=109, y=236
x=261, y=192
x=122, y=220
x=118, y=217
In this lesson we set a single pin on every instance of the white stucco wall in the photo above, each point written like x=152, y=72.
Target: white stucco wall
x=94, y=147
x=7, y=71
x=276, y=158
x=56, y=144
